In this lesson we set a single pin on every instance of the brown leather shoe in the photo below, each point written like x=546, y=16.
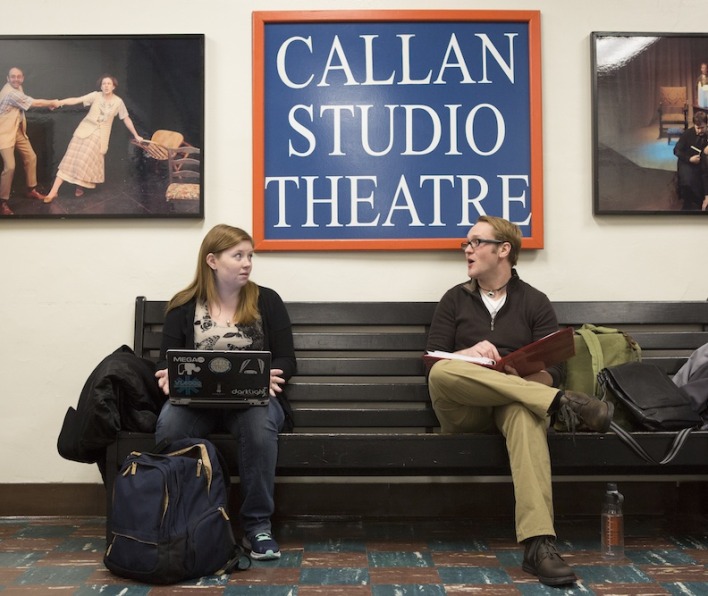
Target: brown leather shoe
x=593, y=413
x=541, y=559
x=33, y=193
x=5, y=208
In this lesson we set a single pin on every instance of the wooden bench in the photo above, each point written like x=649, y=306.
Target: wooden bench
x=361, y=406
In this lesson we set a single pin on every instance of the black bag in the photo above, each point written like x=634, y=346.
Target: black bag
x=651, y=401
x=169, y=519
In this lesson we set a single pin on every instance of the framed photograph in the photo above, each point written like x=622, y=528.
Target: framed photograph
x=102, y=126
x=394, y=130
x=649, y=101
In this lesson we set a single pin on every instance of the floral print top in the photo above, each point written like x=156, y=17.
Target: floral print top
x=210, y=335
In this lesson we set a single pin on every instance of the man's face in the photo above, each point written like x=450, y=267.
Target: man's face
x=485, y=258
x=15, y=78
x=700, y=129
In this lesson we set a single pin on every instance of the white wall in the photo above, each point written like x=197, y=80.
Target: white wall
x=68, y=286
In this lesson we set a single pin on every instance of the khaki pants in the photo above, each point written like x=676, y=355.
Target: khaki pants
x=470, y=398
x=29, y=160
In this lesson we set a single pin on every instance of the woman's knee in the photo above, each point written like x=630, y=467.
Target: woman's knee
x=177, y=422
x=260, y=425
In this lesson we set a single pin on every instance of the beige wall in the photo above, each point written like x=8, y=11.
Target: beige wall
x=68, y=286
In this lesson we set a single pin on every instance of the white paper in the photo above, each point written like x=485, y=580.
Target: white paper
x=452, y=356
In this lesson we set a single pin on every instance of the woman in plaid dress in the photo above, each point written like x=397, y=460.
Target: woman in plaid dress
x=84, y=161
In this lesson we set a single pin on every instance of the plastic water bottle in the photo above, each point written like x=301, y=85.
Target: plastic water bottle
x=612, y=530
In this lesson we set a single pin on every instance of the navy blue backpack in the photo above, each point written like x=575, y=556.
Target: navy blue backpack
x=169, y=520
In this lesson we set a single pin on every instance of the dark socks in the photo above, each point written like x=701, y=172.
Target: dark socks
x=555, y=404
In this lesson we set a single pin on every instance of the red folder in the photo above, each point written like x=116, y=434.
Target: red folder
x=547, y=351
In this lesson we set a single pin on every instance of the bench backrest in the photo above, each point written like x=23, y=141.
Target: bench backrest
x=360, y=367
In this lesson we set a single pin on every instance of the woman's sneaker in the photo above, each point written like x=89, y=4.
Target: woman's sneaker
x=262, y=546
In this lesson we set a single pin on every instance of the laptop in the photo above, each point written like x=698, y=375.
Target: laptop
x=219, y=378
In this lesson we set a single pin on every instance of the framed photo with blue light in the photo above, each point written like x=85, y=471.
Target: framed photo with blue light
x=649, y=105
x=394, y=130
x=102, y=126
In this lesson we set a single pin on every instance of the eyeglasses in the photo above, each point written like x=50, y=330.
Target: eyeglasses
x=475, y=242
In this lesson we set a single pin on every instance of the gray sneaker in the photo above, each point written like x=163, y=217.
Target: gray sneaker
x=262, y=546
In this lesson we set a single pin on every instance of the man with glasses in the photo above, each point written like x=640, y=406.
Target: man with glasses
x=491, y=315
x=690, y=150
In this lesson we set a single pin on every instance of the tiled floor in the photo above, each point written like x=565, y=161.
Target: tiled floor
x=64, y=556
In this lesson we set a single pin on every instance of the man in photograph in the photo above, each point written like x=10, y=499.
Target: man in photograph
x=13, y=137
x=691, y=171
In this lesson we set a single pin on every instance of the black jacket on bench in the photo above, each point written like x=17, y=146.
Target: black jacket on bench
x=120, y=394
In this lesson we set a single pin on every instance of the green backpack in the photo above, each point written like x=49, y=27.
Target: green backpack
x=595, y=349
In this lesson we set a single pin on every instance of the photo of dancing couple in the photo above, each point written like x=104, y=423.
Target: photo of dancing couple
x=101, y=126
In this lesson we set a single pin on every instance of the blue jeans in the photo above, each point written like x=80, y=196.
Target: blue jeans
x=256, y=432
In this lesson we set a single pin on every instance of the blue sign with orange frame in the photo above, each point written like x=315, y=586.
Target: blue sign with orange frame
x=394, y=130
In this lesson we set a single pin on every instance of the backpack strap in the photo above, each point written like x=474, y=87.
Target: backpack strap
x=632, y=443
x=588, y=333
x=240, y=561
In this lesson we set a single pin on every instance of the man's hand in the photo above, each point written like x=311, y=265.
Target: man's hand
x=510, y=370
x=485, y=349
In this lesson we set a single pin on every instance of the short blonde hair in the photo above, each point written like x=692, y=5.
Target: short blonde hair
x=505, y=231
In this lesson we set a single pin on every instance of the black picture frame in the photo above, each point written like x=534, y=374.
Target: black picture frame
x=636, y=79
x=161, y=82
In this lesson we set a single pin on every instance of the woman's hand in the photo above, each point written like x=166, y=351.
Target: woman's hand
x=163, y=381
x=276, y=381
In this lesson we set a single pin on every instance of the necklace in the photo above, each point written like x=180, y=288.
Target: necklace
x=218, y=317
x=491, y=293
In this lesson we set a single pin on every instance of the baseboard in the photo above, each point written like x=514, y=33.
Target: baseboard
x=382, y=500
x=52, y=499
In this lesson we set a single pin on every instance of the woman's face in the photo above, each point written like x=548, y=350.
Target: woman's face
x=232, y=267
x=107, y=85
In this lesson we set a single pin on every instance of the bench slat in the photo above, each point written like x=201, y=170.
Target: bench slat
x=370, y=417
x=685, y=340
x=616, y=314
x=301, y=389
x=359, y=341
x=364, y=365
x=474, y=454
x=361, y=313
x=396, y=454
